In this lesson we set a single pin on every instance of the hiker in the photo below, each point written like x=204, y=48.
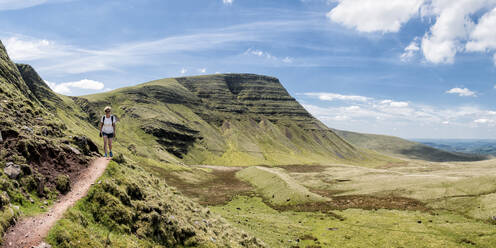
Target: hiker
x=107, y=130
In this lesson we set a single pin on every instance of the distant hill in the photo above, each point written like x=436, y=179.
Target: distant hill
x=481, y=147
x=404, y=148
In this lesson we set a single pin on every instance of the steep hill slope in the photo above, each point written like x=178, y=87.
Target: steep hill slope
x=403, y=148
x=224, y=119
x=46, y=141
x=35, y=154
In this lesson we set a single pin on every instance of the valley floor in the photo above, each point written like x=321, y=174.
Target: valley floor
x=409, y=204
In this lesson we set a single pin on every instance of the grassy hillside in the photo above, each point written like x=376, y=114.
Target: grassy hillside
x=403, y=148
x=47, y=139
x=224, y=119
x=36, y=155
x=236, y=119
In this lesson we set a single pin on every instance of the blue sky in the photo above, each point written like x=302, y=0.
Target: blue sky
x=409, y=68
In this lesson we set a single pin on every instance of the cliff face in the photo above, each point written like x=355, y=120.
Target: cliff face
x=246, y=94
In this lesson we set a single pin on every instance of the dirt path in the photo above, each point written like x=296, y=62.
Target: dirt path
x=31, y=231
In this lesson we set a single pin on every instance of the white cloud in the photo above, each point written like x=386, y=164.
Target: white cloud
x=259, y=53
x=66, y=88
x=482, y=121
x=333, y=96
x=454, y=29
x=202, y=70
x=183, y=71
x=410, y=50
x=57, y=58
x=22, y=48
x=374, y=15
x=483, y=36
x=227, y=2
x=407, y=119
x=22, y=4
x=268, y=56
x=486, y=121
x=287, y=60
x=50, y=84
x=462, y=92
x=394, y=104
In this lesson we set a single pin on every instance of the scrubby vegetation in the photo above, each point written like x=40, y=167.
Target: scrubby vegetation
x=63, y=183
x=128, y=207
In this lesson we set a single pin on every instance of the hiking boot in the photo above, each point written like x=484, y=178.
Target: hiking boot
x=105, y=155
x=111, y=155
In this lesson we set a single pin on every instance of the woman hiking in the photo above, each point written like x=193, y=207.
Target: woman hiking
x=107, y=130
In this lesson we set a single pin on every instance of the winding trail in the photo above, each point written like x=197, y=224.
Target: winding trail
x=31, y=231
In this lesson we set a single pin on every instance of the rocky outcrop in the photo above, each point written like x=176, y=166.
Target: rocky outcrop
x=85, y=144
x=176, y=138
x=12, y=170
x=153, y=93
x=242, y=95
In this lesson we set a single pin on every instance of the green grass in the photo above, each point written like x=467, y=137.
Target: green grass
x=360, y=228
x=140, y=210
x=277, y=187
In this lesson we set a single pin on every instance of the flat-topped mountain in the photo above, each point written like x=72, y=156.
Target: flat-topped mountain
x=224, y=119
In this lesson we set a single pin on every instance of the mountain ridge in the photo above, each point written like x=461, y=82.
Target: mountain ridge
x=395, y=146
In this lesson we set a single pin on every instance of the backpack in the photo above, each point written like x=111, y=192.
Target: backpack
x=111, y=119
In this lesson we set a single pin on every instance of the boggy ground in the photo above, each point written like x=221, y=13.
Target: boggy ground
x=407, y=205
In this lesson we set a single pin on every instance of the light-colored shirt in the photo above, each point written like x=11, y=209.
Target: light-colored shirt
x=107, y=124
